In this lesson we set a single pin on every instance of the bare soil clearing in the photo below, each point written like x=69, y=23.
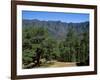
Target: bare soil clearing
x=59, y=64
x=52, y=64
x=63, y=64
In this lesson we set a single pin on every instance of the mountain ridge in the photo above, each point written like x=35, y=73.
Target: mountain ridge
x=57, y=29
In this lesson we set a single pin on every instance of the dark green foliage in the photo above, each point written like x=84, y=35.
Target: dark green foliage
x=66, y=42
x=27, y=56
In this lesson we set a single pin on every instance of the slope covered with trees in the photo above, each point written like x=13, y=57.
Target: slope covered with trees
x=46, y=41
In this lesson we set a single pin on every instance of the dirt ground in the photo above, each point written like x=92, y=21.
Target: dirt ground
x=52, y=63
x=63, y=64
x=59, y=64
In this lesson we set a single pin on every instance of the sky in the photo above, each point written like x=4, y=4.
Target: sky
x=55, y=16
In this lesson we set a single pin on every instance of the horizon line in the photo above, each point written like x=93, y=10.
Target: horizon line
x=56, y=21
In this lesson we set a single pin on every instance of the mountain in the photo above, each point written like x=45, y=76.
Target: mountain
x=57, y=29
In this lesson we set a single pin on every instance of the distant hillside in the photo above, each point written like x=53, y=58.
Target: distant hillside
x=57, y=29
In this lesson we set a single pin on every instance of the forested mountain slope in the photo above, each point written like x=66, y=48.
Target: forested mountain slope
x=57, y=29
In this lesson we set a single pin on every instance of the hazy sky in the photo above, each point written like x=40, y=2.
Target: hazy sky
x=55, y=16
